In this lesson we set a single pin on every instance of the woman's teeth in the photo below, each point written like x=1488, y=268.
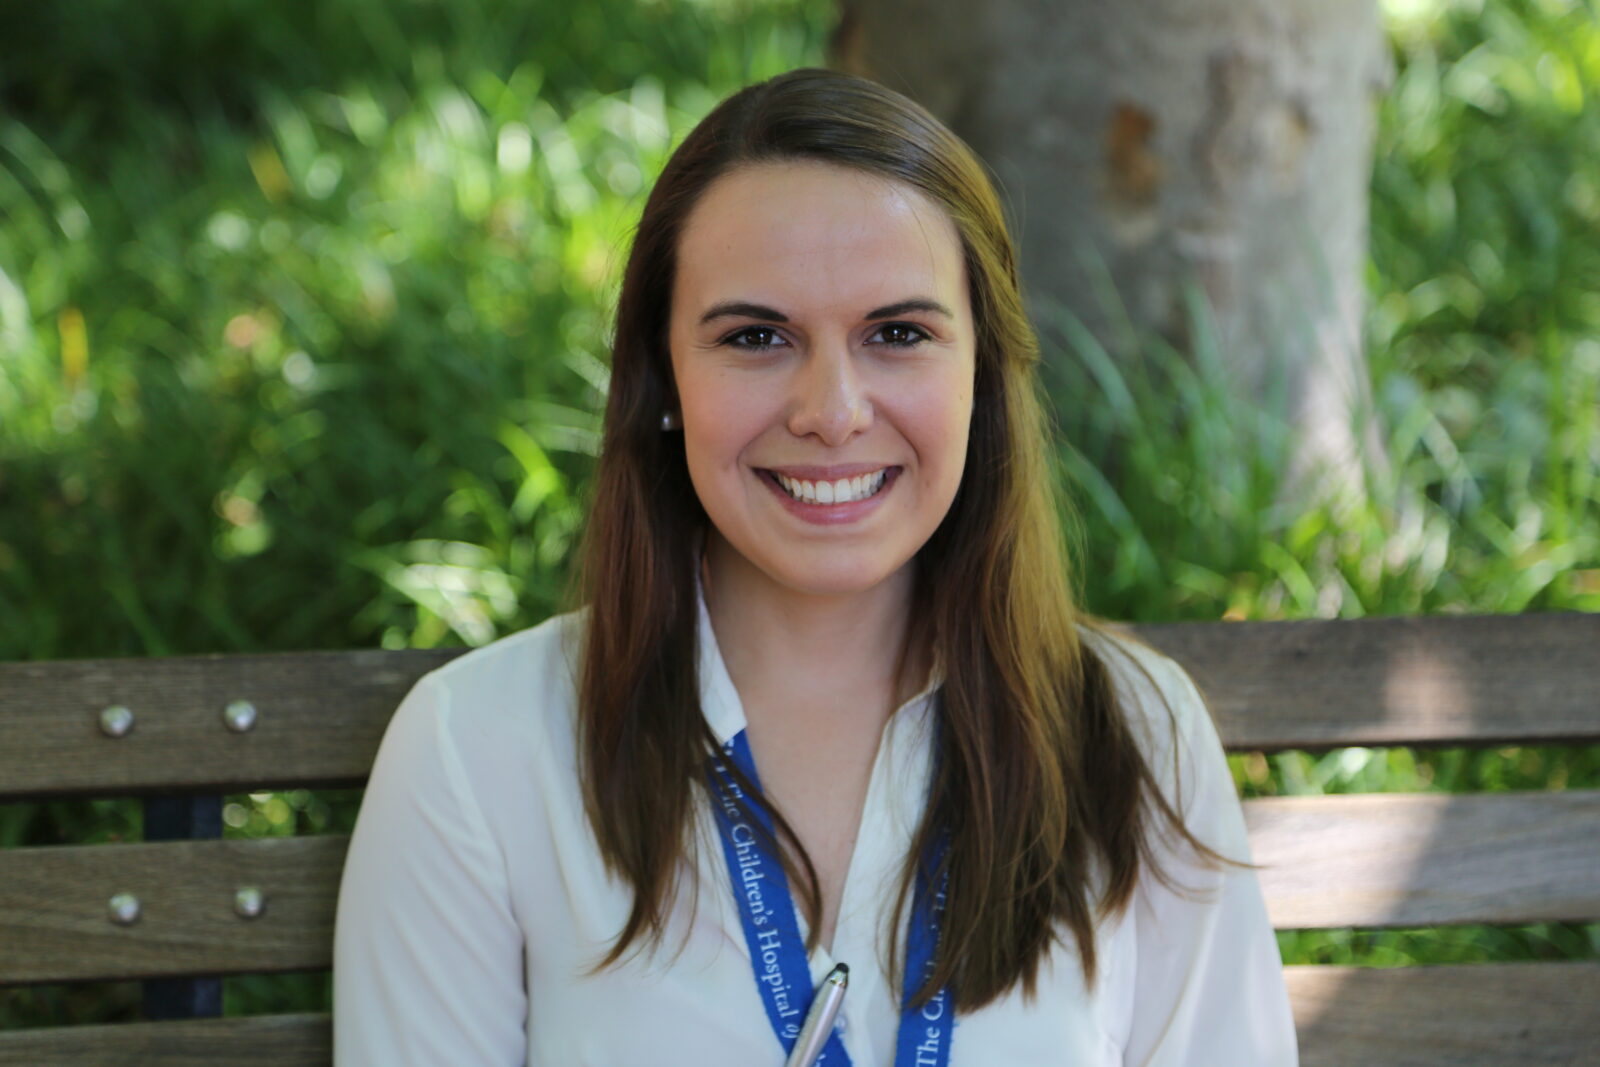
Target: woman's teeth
x=842, y=491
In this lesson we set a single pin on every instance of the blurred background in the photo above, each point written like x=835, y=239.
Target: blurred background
x=304, y=312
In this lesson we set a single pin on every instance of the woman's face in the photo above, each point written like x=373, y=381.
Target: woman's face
x=823, y=350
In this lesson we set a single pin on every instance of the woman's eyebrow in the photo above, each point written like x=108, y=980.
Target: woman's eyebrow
x=745, y=309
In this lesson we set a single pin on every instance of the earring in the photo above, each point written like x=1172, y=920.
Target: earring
x=668, y=422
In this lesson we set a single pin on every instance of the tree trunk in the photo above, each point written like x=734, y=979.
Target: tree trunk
x=1227, y=142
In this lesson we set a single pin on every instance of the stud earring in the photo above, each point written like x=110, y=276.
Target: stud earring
x=668, y=422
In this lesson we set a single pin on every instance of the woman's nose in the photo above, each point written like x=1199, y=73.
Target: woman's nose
x=831, y=399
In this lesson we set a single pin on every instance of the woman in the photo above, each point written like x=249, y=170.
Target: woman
x=828, y=655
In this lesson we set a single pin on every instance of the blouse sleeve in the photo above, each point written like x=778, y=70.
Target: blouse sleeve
x=427, y=955
x=1208, y=985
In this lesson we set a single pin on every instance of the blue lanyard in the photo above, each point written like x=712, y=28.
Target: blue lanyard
x=772, y=931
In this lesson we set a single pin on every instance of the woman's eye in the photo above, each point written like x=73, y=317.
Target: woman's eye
x=758, y=347
x=914, y=335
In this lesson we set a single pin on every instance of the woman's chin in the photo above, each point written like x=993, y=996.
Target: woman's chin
x=835, y=577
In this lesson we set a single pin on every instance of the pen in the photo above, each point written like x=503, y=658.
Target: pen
x=819, y=1020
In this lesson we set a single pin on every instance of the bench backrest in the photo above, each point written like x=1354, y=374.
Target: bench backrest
x=315, y=720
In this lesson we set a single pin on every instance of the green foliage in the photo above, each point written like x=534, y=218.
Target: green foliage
x=310, y=357
x=303, y=314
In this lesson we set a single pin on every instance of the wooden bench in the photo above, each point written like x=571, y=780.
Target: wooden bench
x=1387, y=860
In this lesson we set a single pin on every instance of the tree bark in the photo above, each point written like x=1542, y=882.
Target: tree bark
x=1224, y=142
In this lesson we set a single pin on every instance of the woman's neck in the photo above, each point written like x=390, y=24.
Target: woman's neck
x=777, y=640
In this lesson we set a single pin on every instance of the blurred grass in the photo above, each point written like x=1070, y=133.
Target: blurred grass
x=303, y=314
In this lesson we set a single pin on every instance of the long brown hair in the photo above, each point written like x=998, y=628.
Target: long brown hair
x=1038, y=770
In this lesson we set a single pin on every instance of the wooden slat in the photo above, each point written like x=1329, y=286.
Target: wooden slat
x=1476, y=1015
x=1311, y=684
x=1467, y=1015
x=320, y=718
x=1427, y=859
x=1428, y=681
x=55, y=925
x=1370, y=861
x=299, y=1040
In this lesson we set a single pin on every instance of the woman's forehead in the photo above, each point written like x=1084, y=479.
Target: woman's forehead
x=816, y=235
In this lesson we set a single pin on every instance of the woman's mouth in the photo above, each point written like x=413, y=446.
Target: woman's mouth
x=830, y=502
x=843, y=491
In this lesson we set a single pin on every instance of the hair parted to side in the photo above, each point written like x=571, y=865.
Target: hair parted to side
x=1039, y=770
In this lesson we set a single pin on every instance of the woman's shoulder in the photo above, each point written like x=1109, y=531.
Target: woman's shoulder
x=1140, y=673
x=1157, y=698
x=538, y=647
x=520, y=683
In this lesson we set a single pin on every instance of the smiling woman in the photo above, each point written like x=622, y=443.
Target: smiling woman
x=825, y=697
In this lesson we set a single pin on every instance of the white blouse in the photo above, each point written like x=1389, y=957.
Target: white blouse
x=474, y=899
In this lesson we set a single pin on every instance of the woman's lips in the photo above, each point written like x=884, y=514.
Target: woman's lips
x=830, y=514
